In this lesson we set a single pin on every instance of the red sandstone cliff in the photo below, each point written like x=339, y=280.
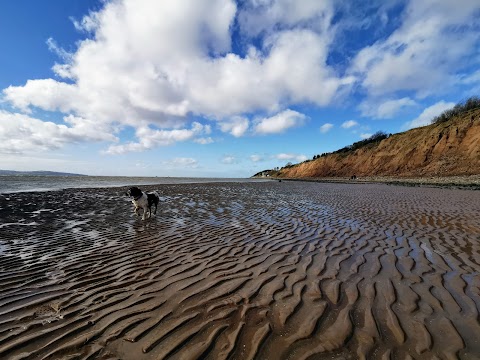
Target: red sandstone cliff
x=444, y=149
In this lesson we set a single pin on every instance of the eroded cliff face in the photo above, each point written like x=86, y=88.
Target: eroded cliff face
x=446, y=149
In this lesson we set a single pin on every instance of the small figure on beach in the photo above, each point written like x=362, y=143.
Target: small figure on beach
x=353, y=177
x=143, y=201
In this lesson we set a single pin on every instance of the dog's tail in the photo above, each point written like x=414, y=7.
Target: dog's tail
x=155, y=193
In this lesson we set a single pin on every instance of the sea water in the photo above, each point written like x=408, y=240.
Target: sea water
x=21, y=183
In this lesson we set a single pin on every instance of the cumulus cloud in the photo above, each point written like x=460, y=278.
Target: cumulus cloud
x=429, y=113
x=47, y=94
x=280, y=122
x=20, y=133
x=326, y=128
x=349, y=124
x=154, y=63
x=158, y=65
x=236, y=126
x=150, y=138
x=386, y=109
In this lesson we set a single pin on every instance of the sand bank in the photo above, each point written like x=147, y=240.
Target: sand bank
x=274, y=270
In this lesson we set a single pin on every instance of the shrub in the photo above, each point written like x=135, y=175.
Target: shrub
x=375, y=138
x=460, y=108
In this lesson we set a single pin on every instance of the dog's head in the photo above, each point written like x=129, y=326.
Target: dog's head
x=134, y=192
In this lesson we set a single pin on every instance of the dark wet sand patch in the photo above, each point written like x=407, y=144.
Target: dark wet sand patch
x=271, y=270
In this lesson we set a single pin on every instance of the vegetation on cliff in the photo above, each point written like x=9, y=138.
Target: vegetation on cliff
x=472, y=103
x=374, y=139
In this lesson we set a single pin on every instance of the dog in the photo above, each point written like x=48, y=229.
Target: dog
x=143, y=201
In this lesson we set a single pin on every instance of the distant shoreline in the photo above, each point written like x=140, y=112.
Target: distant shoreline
x=37, y=173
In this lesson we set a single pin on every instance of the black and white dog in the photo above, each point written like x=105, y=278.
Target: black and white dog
x=143, y=201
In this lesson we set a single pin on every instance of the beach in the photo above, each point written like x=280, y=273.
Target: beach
x=265, y=270
x=471, y=182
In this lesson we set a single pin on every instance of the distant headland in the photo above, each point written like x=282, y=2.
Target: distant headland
x=39, y=173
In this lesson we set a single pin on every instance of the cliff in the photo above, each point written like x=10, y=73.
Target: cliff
x=443, y=149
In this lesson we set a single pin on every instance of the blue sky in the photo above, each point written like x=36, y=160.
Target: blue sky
x=222, y=88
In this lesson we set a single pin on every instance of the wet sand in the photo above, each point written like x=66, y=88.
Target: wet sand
x=273, y=270
x=471, y=182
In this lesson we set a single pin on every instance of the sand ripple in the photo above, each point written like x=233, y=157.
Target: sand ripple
x=242, y=271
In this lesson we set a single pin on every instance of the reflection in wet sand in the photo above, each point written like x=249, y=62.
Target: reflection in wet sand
x=271, y=270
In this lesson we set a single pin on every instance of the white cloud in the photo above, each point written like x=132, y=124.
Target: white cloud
x=429, y=113
x=88, y=23
x=156, y=65
x=228, y=159
x=57, y=50
x=182, y=162
x=46, y=94
x=280, y=122
x=424, y=53
x=471, y=78
x=256, y=158
x=291, y=157
x=365, y=135
x=150, y=138
x=148, y=62
x=386, y=109
x=204, y=140
x=20, y=133
x=265, y=15
x=349, y=124
x=290, y=68
x=236, y=126
x=326, y=128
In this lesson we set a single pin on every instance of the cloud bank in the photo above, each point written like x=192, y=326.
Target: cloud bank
x=171, y=70
x=147, y=62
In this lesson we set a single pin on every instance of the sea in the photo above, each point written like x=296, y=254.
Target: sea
x=27, y=183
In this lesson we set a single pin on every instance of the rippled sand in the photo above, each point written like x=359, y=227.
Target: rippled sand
x=275, y=270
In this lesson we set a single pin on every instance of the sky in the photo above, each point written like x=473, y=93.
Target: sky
x=222, y=88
